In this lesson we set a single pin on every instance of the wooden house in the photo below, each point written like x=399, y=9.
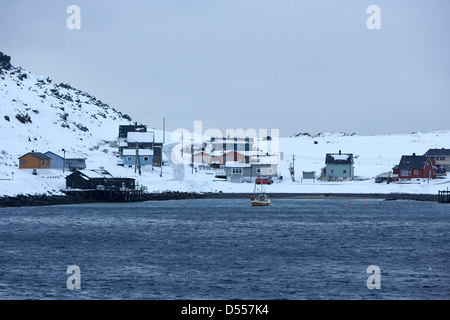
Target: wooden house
x=415, y=167
x=145, y=157
x=143, y=140
x=338, y=166
x=248, y=172
x=34, y=160
x=231, y=149
x=137, y=137
x=123, y=134
x=97, y=180
x=68, y=161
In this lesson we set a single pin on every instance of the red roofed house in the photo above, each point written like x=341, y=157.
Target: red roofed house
x=415, y=167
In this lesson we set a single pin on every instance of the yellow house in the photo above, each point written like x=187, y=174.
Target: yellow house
x=34, y=160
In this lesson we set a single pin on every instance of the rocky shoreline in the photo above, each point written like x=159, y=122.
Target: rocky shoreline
x=46, y=200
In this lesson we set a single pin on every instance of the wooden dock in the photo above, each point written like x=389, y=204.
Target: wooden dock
x=107, y=195
x=444, y=196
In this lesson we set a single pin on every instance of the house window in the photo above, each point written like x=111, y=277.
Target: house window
x=258, y=170
x=416, y=172
x=129, y=158
x=270, y=170
x=24, y=161
x=332, y=170
x=344, y=171
x=145, y=158
x=42, y=161
x=404, y=173
x=237, y=171
x=46, y=161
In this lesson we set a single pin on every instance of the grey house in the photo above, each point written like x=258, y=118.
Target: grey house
x=248, y=172
x=439, y=157
x=70, y=162
x=339, y=166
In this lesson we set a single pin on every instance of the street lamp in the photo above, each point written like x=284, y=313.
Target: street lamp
x=64, y=160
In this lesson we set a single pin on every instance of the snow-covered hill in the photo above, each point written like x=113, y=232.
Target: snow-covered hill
x=38, y=114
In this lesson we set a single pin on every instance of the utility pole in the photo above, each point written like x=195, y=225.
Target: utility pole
x=164, y=132
x=292, y=169
x=138, y=160
x=163, y=142
x=64, y=159
x=161, y=162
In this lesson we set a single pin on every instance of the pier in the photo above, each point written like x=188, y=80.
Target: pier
x=444, y=196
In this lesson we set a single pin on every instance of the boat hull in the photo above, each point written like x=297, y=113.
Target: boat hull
x=257, y=203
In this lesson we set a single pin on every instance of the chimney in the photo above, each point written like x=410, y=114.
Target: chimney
x=414, y=154
x=340, y=152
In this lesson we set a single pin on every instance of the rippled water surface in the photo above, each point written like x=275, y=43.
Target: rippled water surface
x=226, y=249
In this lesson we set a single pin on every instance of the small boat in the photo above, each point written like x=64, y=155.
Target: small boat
x=259, y=197
x=260, y=200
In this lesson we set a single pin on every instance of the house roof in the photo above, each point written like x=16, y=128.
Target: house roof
x=230, y=164
x=233, y=164
x=124, y=129
x=339, y=158
x=412, y=162
x=96, y=174
x=38, y=155
x=69, y=155
x=438, y=152
x=142, y=152
x=140, y=137
x=264, y=164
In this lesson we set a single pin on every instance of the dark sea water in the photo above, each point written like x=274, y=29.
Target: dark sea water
x=226, y=249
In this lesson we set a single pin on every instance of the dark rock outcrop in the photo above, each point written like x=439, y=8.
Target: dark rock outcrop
x=5, y=61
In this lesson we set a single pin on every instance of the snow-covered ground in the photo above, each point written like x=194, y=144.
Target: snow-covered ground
x=37, y=114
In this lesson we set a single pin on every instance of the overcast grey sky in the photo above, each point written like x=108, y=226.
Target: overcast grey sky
x=297, y=66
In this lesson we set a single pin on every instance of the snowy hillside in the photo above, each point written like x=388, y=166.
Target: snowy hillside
x=37, y=114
